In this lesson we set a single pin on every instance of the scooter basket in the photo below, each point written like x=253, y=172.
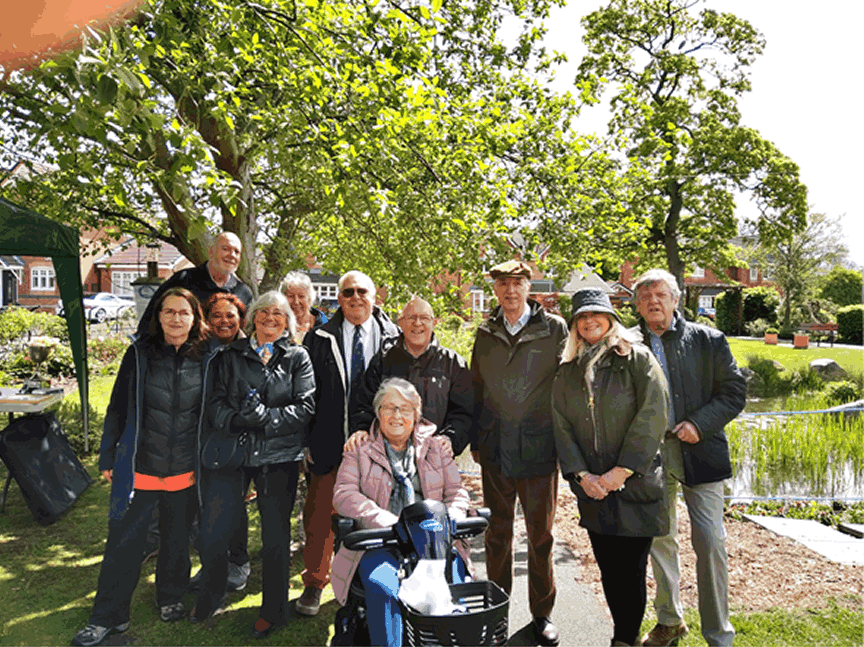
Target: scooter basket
x=484, y=622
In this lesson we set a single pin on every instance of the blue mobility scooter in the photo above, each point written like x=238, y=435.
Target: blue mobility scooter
x=425, y=531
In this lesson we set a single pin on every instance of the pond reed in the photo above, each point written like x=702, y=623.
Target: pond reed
x=801, y=454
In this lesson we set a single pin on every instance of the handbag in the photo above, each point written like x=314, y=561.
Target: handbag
x=224, y=451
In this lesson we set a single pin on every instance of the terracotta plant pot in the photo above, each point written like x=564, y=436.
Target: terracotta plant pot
x=800, y=341
x=771, y=338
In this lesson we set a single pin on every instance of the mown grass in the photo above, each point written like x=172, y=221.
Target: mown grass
x=48, y=579
x=798, y=359
x=839, y=623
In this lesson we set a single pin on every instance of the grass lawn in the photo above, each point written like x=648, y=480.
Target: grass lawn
x=48, y=579
x=839, y=624
x=793, y=359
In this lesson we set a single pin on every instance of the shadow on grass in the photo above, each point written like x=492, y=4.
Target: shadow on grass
x=48, y=578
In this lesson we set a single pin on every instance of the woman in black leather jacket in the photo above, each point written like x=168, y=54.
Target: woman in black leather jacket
x=264, y=388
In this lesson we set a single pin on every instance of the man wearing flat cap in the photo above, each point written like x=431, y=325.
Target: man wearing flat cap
x=514, y=360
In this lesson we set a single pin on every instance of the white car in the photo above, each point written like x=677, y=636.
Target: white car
x=104, y=305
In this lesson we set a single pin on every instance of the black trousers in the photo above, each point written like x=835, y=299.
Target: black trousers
x=622, y=562
x=224, y=493
x=121, y=566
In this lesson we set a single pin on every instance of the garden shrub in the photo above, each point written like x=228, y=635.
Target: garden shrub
x=774, y=383
x=451, y=322
x=727, y=305
x=761, y=302
x=842, y=392
x=757, y=328
x=849, y=324
x=18, y=323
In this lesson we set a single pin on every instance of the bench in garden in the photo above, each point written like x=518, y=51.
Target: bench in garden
x=820, y=331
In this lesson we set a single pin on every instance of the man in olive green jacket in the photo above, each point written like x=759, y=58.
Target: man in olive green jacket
x=515, y=356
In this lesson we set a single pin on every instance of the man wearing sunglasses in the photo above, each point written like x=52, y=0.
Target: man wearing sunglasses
x=441, y=375
x=340, y=350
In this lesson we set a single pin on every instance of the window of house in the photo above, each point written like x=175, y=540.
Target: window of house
x=767, y=274
x=698, y=272
x=754, y=273
x=706, y=301
x=42, y=278
x=121, y=282
x=478, y=301
x=326, y=290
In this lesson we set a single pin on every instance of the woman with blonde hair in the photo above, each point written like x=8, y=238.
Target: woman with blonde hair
x=609, y=408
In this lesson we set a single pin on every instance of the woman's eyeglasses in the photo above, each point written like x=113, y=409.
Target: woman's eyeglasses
x=392, y=410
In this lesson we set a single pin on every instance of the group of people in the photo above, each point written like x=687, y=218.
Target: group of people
x=373, y=414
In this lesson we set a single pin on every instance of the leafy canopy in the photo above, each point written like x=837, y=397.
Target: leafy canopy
x=674, y=73
x=399, y=138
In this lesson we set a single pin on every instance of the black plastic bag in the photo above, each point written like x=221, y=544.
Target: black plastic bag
x=46, y=468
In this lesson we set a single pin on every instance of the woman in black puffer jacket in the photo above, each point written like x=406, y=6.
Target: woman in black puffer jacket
x=149, y=453
x=263, y=388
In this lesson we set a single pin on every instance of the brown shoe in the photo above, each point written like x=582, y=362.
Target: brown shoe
x=662, y=635
x=309, y=603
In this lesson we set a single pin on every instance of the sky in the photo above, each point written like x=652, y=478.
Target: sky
x=806, y=95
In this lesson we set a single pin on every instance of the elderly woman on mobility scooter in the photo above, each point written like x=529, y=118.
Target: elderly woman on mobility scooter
x=375, y=482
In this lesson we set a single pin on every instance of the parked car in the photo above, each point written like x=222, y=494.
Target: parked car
x=104, y=305
x=707, y=312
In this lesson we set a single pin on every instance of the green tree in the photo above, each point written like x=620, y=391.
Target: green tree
x=675, y=75
x=395, y=137
x=796, y=263
x=842, y=286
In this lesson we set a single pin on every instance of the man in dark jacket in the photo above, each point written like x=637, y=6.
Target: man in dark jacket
x=216, y=275
x=441, y=375
x=340, y=350
x=514, y=360
x=707, y=392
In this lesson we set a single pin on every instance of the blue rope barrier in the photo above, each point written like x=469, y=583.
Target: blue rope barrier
x=792, y=413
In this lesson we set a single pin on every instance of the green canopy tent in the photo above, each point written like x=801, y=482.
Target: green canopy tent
x=28, y=233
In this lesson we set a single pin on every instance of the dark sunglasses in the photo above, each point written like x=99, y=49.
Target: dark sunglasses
x=349, y=292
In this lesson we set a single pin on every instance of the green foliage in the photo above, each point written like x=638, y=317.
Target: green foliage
x=843, y=392
x=106, y=350
x=771, y=330
x=674, y=72
x=796, y=359
x=565, y=305
x=796, y=263
x=830, y=514
x=821, y=454
x=757, y=328
x=774, y=382
x=727, y=306
x=392, y=137
x=58, y=364
x=18, y=323
x=461, y=339
x=842, y=286
x=761, y=302
x=850, y=322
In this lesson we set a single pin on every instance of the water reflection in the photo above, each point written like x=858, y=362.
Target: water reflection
x=804, y=455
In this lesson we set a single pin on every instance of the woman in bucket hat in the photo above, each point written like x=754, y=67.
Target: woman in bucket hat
x=610, y=413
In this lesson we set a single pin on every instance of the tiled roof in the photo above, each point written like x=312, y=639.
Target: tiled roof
x=130, y=253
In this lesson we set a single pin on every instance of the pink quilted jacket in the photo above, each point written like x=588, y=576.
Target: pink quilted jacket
x=364, y=484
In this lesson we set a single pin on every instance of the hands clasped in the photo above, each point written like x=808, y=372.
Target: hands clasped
x=252, y=412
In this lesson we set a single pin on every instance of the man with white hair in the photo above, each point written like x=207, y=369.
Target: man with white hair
x=216, y=275
x=340, y=350
x=707, y=391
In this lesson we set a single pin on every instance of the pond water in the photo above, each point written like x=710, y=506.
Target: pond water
x=795, y=474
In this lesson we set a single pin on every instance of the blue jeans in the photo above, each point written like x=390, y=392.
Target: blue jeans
x=378, y=571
